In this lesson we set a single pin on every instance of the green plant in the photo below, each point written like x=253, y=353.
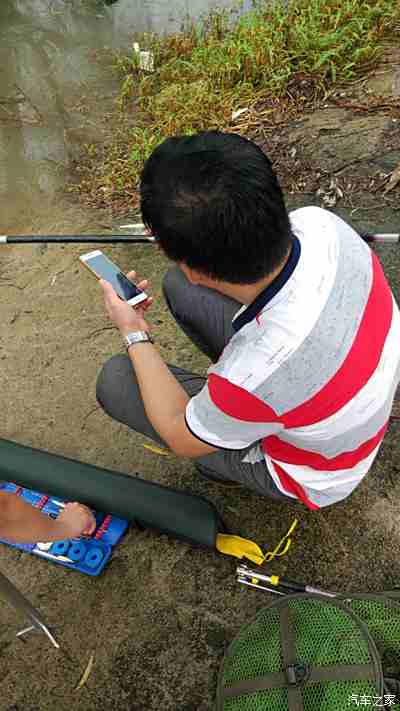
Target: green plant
x=206, y=72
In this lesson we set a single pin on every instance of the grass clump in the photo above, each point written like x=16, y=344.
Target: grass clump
x=203, y=74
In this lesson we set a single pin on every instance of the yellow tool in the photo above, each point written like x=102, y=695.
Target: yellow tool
x=244, y=548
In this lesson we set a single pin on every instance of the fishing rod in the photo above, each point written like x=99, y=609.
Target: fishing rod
x=380, y=238
x=138, y=236
x=76, y=239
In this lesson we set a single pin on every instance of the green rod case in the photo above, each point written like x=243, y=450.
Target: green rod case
x=176, y=513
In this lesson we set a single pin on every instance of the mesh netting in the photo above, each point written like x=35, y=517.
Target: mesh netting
x=330, y=696
x=324, y=634
x=273, y=700
x=333, y=696
x=383, y=620
x=257, y=651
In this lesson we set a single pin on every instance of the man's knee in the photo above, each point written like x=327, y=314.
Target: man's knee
x=110, y=378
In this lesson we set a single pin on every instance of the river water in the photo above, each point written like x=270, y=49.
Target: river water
x=55, y=88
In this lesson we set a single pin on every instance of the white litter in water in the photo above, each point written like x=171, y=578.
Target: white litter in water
x=146, y=59
x=239, y=112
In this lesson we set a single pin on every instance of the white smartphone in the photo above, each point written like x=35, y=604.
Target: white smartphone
x=104, y=268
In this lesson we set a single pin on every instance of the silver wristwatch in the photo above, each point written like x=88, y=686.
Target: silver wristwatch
x=137, y=337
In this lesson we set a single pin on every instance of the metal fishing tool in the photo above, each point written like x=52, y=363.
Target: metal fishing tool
x=50, y=556
x=17, y=600
x=276, y=584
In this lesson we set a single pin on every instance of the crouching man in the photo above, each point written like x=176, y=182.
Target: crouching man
x=294, y=312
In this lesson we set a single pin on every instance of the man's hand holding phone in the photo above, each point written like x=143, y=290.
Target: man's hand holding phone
x=125, y=317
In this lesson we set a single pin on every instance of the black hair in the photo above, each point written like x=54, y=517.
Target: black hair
x=214, y=203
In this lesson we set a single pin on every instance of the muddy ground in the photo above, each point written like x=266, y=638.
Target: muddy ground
x=158, y=619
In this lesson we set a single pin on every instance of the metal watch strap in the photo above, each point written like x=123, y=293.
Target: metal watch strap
x=136, y=337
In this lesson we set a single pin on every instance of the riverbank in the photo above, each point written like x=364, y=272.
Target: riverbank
x=258, y=74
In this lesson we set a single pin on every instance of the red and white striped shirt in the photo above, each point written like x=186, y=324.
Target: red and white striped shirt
x=310, y=373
